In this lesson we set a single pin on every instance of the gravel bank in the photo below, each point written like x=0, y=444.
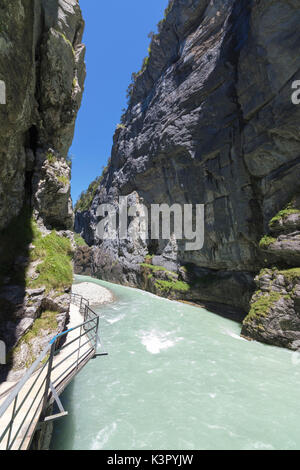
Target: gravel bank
x=97, y=295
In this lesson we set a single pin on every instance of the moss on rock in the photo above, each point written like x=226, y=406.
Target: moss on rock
x=169, y=286
x=292, y=274
x=283, y=214
x=79, y=240
x=43, y=326
x=266, y=241
x=262, y=306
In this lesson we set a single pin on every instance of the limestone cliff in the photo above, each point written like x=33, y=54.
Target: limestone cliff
x=210, y=120
x=42, y=66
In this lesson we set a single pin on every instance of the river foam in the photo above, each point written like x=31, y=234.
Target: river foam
x=156, y=341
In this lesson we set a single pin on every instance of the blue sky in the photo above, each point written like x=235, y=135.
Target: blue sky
x=116, y=40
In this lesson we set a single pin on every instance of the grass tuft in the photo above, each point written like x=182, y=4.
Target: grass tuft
x=79, y=240
x=51, y=158
x=154, y=268
x=168, y=286
x=266, y=241
x=55, y=271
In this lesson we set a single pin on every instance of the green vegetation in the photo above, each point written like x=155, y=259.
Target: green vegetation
x=169, y=286
x=121, y=126
x=51, y=158
x=261, y=308
x=86, y=197
x=67, y=41
x=63, y=179
x=165, y=286
x=288, y=210
x=173, y=283
x=146, y=60
x=55, y=252
x=46, y=323
x=291, y=274
x=167, y=11
x=265, y=271
x=55, y=270
x=79, y=240
x=135, y=75
x=155, y=268
x=282, y=215
x=266, y=241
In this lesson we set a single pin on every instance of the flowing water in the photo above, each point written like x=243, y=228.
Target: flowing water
x=179, y=377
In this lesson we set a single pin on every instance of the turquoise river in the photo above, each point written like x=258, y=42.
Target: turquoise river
x=179, y=377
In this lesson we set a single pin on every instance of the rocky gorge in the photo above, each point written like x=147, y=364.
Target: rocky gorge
x=210, y=121
x=42, y=66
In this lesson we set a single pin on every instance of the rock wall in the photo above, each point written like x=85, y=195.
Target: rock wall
x=210, y=120
x=274, y=315
x=42, y=65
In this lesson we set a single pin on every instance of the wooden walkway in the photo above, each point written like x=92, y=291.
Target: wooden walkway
x=27, y=409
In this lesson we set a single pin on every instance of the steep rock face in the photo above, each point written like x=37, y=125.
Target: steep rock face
x=51, y=191
x=211, y=121
x=42, y=65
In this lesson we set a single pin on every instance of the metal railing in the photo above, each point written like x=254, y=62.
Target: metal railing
x=26, y=406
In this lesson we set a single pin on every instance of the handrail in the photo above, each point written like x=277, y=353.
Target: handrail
x=47, y=367
x=23, y=381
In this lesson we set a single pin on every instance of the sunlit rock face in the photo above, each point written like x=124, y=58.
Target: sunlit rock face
x=42, y=65
x=210, y=120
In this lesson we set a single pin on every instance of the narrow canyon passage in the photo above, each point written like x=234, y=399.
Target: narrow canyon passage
x=179, y=377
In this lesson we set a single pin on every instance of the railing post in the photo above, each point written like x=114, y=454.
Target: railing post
x=12, y=422
x=96, y=335
x=78, y=355
x=48, y=378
